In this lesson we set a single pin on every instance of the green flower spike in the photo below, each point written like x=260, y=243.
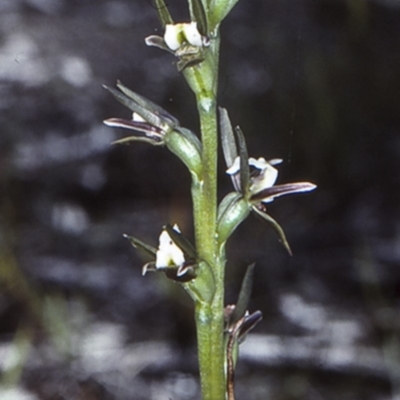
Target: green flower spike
x=253, y=179
x=187, y=41
x=157, y=127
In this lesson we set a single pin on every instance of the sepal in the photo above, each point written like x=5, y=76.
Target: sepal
x=244, y=163
x=198, y=14
x=144, y=247
x=163, y=13
x=269, y=194
x=181, y=241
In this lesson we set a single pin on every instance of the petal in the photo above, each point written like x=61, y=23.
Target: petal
x=168, y=252
x=137, y=118
x=157, y=41
x=260, y=163
x=192, y=34
x=235, y=167
x=148, y=267
x=265, y=179
x=153, y=134
x=172, y=36
x=181, y=241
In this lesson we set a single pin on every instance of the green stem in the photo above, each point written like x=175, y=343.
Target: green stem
x=209, y=316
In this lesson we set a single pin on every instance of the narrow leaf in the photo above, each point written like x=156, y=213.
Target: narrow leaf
x=163, y=13
x=276, y=226
x=138, y=244
x=181, y=241
x=244, y=295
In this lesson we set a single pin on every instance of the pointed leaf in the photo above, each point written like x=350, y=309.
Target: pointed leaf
x=163, y=13
x=198, y=14
x=276, y=226
x=244, y=295
x=138, y=244
x=244, y=163
x=181, y=241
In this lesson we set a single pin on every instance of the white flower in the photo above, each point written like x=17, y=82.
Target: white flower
x=178, y=34
x=168, y=253
x=262, y=180
x=266, y=174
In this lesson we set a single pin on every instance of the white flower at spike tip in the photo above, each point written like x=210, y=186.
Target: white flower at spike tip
x=184, y=41
x=168, y=253
x=178, y=34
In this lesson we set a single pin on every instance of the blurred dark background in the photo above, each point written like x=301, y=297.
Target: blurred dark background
x=315, y=82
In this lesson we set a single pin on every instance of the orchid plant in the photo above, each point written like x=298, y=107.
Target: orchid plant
x=199, y=267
